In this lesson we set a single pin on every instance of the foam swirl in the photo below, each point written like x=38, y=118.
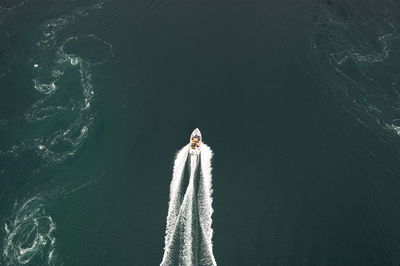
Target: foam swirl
x=30, y=235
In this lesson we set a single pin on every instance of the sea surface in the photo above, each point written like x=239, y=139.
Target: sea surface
x=298, y=102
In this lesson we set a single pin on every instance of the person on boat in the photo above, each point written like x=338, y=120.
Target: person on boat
x=195, y=142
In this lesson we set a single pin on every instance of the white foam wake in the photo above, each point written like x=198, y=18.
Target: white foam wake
x=175, y=193
x=205, y=204
x=188, y=236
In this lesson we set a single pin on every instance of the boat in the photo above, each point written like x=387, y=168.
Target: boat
x=195, y=142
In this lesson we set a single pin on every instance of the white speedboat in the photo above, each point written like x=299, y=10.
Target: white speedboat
x=195, y=142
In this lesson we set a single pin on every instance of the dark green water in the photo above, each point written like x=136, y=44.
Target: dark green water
x=299, y=101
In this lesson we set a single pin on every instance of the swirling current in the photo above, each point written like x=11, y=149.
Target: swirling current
x=64, y=90
x=30, y=234
x=358, y=49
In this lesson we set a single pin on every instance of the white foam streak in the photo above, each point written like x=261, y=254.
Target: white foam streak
x=175, y=193
x=183, y=239
x=205, y=199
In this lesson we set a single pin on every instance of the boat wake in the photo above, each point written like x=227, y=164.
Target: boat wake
x=188, y=235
